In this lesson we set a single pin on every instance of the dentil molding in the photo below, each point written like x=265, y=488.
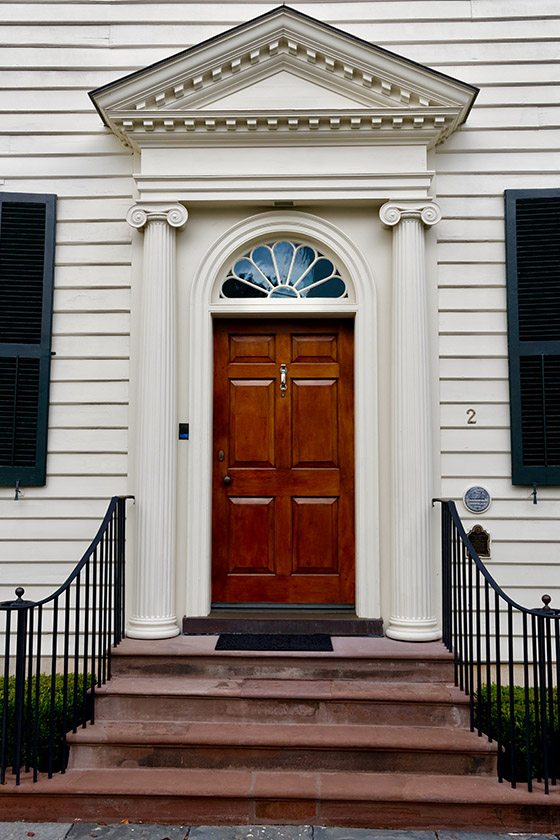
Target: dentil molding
x=374, y=92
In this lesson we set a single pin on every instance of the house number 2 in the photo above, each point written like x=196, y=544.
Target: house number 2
x=471, y=414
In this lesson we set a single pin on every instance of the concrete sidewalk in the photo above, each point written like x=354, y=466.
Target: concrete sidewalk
x=137, y=831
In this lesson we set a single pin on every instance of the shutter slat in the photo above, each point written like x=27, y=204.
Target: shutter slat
x=533, y=277
x=19, y=396
x=26, y=286
x=538, y=268
x=22, y=265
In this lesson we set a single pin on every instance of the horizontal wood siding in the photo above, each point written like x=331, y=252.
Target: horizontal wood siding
x=52, y=140
x=511, y=139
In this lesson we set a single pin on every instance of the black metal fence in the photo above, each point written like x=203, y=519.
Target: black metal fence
x=58, y=650
x=507, y=660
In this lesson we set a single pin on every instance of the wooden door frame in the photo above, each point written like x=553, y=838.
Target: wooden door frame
x=204, y=307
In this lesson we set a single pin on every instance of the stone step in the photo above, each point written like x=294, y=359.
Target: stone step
x=352, y=658
x=241, y=797
x=300, y=622
x=197, y=698
x=273, y=746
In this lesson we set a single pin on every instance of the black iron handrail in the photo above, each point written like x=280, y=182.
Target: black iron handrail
x=59, y=651
x=507, y=660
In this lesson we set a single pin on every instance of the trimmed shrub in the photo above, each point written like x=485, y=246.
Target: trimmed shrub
x=527, y=729
x=39, y=725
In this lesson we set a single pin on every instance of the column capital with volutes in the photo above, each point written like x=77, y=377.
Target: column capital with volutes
x=142, y=214
x=426, y=211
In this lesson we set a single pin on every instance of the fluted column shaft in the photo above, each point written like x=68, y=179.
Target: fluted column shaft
x=156, y=440
x=413, y=614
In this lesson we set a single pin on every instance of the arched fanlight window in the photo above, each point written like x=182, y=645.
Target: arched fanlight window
x=283, y=270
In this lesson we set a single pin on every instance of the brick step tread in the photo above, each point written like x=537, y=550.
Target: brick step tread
x=286, y=785
x=298, y=735
x=251, y=688
x=344, y=647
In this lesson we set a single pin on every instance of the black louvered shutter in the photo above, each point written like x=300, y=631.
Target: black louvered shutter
x=27, y=231
x=533, y=280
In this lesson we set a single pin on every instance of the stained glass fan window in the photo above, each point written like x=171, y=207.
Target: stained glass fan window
x=283, y=270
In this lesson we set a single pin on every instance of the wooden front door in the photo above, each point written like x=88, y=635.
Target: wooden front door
x=283, y=477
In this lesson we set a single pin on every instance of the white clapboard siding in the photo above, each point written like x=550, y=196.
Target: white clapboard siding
x=78, y=299
x=102, y=232
x=69, y=487
x=42, y=551
x=55, y=509
x=505, y=509
x=87, y=253
x=476, y=438
x=473, y=345
x=472, y=322
x=94, y=347
x=472, y=300
x=52, y=140
x=527, y=529
x=482, y=391
x=80, y=370
x=469, y=274
x=473, y=464
x=89, y=392
x=89, y=415
x=467, y=230
x=88, y=440
x=233, y=12
x=493, y=73
x=455, y=415
x=90, y=208
x=86, y=463
x=502, y=489
x=91, y=276
x=80, y=323
x=473, y=369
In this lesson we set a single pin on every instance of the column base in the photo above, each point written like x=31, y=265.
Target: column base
x=413, y=629
x=152, y=628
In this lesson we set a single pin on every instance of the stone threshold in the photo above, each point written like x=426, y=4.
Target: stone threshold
x=300, y=622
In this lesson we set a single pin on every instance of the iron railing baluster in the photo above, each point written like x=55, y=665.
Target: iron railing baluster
x=4, y=746
x=87, y=616
x=472, y=606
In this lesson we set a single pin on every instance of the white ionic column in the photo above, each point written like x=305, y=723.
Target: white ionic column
x=156, y=441
x=413, y=615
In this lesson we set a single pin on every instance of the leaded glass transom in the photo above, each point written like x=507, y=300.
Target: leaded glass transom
x=283, y=270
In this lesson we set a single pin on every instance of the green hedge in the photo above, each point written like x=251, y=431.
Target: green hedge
x=522, y=712
x=44, y=716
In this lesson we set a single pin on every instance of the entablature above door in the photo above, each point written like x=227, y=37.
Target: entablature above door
x=284, y=79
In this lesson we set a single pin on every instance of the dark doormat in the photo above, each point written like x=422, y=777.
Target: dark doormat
x=274, y=641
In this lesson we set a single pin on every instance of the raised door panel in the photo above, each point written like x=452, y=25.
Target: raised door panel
x=252, y=349
x=315, y=535
x=314, y=423
x=251, y=423
x=314, y=348
x=250, y=535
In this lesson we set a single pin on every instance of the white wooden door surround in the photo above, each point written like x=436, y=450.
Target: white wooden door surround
x=279, y=111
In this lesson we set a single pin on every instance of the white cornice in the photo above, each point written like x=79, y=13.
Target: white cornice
x=153, y=128
x=174, y=100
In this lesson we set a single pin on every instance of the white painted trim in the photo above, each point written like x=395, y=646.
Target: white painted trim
x=329, y=239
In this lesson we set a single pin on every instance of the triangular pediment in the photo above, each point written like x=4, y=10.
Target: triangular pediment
x=283, y=72
x=288, y=91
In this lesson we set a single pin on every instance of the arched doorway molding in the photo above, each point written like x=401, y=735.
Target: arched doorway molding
x=204, y=306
